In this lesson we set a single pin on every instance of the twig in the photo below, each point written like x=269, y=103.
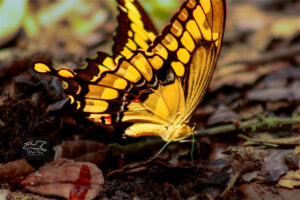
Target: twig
x=272, y=56
x=275, y=142
x=231, y=183
x=251, y=125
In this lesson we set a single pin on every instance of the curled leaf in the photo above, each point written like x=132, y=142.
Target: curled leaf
x=66, y=178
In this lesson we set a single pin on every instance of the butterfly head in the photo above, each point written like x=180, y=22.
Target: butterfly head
x=177, y=132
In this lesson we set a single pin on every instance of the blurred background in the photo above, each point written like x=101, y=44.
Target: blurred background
x=65, y=28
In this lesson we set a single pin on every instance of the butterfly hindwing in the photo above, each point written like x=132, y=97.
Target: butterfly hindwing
x=188, y=48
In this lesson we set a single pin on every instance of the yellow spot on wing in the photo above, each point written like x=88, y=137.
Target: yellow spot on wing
x=193, y=29
x=102, y=69
x=176, y=28
x=151, y=36
x=72, y=100
x=178, y=68
x=79, y=90
x=140, y=62
x=120, y=83
x=130, y=73
x=131, y=44
x=41, y=68
x=100, y=92
x=191, y=3
x=132, y=9
x=126, y=53
x=140, y=41
x=130, y=34
x=183, y=55
x=109, y=93
x=109, y=62
x=170, y=42
x=112, y=80
x=206, y=5
x=202, y=23
x=78, y=105
x=156, y=62
x=138, y=31
x=183, y=15
x=215, y=36
x=187, y=41
x=95, y=106
x=65, y=73
x=134, y=19
x=161, y=50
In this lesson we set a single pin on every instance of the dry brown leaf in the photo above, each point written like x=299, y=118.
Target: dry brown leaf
x=251, y=112
x=282, y=75
x=274, y=165
x=290, y=180
x=250, y=175
x=240, y=75
x=274, y=94
x=14, y=169
x=255, y=191
x=297, y=150
x=222, y=115
x=19, y=195
x=66, y=178
x=247, y=159
x=274, y=106
x=82, y=150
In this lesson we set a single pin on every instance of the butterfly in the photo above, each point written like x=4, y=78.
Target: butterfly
x=154, y=81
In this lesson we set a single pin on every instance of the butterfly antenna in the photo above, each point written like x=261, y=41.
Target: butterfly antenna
x=193, y=146
x=161, y=150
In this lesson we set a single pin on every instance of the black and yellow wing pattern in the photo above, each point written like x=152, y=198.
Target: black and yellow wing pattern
x=135, y=30
x=157, y=83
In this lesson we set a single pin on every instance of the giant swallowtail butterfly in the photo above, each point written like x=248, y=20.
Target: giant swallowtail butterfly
x=155, y=81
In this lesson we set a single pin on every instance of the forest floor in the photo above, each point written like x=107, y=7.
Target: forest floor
x=247, y=144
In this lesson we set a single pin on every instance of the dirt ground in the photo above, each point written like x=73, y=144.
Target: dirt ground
x=247, y=143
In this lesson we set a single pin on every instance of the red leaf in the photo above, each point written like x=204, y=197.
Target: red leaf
x=66, y=178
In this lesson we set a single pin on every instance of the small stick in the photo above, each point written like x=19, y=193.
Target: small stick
x=231, y=183
x=251, y=125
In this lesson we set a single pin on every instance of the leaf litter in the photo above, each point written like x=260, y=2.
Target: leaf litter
x=257, y=77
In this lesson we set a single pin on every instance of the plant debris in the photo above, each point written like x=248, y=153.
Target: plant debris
x=247, y=129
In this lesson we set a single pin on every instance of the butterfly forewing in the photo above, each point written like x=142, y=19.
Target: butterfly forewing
x=135, y=29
